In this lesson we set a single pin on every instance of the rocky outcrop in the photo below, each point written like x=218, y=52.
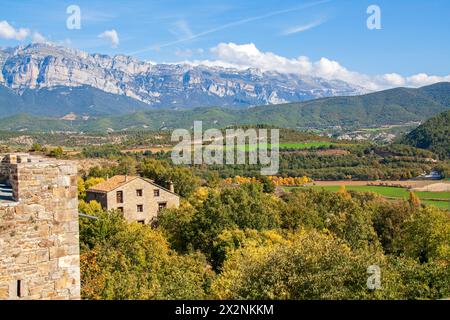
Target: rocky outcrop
x=38, y=66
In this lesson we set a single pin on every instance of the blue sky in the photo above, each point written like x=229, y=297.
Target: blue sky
x=413, y=39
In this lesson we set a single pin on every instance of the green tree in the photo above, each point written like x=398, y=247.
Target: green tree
x=311, y=265
x=389, y=218
x=423, y=280
x=246, y=207
x=36, y=147
x=120, y=260
x=268, y=185
x=336, y=212
x=425, y=236
x=184, y=180
x=57, y=153
x=127, y=166
x=178, y=226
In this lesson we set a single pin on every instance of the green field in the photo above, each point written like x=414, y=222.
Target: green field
x=305, y=145
x=440, y=204
x=395, y=192
x=288, y=145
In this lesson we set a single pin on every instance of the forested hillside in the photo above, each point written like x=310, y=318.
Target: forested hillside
x=395, y=106
x=433, y=135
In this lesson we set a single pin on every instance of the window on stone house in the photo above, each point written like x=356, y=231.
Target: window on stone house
x=141, y=221
x=140, y=208
x=120, y=209
x=139, y=192
x=19, y=288
x=119, y=196
x=156, y=192
x=161, y=206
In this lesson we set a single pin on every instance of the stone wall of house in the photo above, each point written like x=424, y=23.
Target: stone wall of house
x=148, y=200
x=39, y=236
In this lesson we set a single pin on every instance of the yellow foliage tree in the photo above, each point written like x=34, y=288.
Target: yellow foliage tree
x=414, y=200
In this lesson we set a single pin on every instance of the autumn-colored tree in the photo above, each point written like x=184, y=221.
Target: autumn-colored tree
x=228, y=241
x=92, y=277
x=343, y=191
x=84, y=185
x=414, y=200
x=311, y=265
x=132, y=261
x=92, y=181
x=81, y=188
x=235, y=241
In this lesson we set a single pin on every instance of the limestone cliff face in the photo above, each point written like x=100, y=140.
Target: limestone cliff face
x=38, y=66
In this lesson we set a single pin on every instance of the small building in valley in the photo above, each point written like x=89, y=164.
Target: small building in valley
x=139, y=199
x=433, y=175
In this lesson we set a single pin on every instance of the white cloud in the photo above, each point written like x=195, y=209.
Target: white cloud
x=38, y=37
x=304, y=27
x=112, y=36
x=424, y=79
x=394, y=79
x=231, y=55
x=8, y=32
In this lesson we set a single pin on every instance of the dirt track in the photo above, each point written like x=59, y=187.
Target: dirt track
x=436, y=187
x=417, y=185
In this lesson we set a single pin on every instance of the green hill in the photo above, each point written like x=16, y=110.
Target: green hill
x=59, y=101
x=434, y=135
x=394, y=106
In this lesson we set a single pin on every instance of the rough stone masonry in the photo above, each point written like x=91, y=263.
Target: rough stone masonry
x=39, y=235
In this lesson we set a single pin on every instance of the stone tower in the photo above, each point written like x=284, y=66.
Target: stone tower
x=39, y=236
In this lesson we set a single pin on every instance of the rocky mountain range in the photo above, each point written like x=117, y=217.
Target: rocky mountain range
x=53, y=69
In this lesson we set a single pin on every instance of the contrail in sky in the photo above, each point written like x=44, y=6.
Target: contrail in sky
x=304, y=27
x=231, y=24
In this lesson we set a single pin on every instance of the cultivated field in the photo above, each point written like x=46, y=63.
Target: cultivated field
x=419, y=185
x=401, y=190
x=288, y=145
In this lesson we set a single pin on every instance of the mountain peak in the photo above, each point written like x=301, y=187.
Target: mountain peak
x=46, y=65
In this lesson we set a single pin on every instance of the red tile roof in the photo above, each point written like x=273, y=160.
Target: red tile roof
x=112, y=183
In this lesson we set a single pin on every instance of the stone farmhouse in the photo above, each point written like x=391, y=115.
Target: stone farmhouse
x=39, y=236
x=139, y=199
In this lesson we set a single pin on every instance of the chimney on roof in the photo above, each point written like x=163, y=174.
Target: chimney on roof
x=171, y=187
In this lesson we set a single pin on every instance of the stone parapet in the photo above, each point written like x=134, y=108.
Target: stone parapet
x=39, y=236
